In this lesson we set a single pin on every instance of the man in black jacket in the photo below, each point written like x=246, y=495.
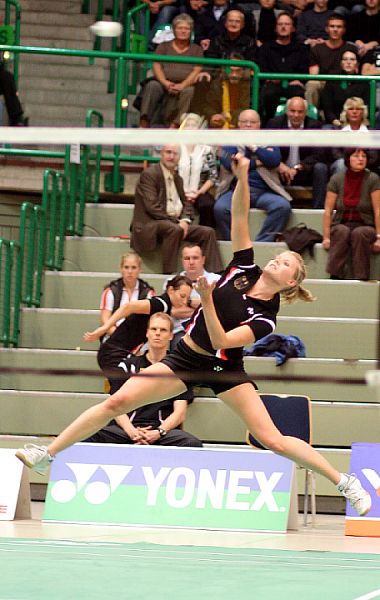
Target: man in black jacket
x=301, y=165
x=283, y=55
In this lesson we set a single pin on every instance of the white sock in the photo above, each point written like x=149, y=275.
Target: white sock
x=343, y=481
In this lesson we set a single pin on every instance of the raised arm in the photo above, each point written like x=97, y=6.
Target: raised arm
x=140, y=307
x=240, y=205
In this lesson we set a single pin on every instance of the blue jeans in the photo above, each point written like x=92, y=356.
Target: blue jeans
x=278, y=210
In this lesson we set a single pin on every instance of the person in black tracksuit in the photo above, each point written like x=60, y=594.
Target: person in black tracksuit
x=134, y=317
x=159, y=423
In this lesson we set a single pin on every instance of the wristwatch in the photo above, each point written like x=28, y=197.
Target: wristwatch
x=162, y=432
x=298, y=167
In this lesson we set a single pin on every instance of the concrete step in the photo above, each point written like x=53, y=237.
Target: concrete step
x=265, y=367
x=85, y=98
x=78, y=32
x=70, y=113
x=56, y=84
x=106, y=219
x=55, y=19
x=324, y=337
x=47, y=413
x=30, y=74
x=64, y=6
x=83, y=290
x=61, y=60
x=50, y=42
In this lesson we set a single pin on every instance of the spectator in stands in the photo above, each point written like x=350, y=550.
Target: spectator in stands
x=161, y=13
x=363, y=27
x=158, y=423
x=162, y=214
x=335, y=93
x=197, y=168
x=311, y=24
x=266, y=190
x=172, y=87
x=265, y=20
x=11, y=99
x=354, y=117
x=130, y=334
x=225, y=96
x=301, y=165
x=233, y=39
x=210, y=23
x=193, y=262
x=128, y=288
x=354, y=229
x=283, y=55
x=325, y=58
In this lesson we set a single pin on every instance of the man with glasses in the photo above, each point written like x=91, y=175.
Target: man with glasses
x=266, y=190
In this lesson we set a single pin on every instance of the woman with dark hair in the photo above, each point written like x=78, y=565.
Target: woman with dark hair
x=354, y=195
x=239, y=309
x=131, y=332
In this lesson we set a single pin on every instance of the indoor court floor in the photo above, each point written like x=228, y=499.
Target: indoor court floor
x=62, y=562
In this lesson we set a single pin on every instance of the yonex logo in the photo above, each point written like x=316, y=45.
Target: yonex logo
x=96, y=492
x=180, y=486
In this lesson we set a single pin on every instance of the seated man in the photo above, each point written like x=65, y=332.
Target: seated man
x=193, y=262
x=162, y=214
x=225, y=96
x=283, y=55
x=266, y=191
x=233, y=39
x=158, y=423
x=301, y=165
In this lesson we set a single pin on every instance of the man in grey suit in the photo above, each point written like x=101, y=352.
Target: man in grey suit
x=163, y=215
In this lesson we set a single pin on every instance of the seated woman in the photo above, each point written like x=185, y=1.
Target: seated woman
x=197, y=167
x=354, y=195
x=131, y=332
x=335, y=93
x=172, y=88
x=354, y=117
x=127, y=288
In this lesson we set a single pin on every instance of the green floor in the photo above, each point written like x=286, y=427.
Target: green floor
x=55, y=570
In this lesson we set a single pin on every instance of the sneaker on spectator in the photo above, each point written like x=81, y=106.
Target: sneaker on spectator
x=357, y=496
x=35, y=457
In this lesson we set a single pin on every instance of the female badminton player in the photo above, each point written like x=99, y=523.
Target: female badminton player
x=238, y=310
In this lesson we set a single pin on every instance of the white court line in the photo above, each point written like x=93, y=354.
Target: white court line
x=178, y=550
x=368, y=596
x=136, y=554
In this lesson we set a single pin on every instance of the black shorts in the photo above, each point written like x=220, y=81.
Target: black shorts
x=198, y=369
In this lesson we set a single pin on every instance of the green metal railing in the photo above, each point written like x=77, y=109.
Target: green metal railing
x=32, y=240
x=59, y=216
x=10, y=292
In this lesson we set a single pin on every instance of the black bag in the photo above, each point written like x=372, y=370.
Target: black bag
x=300, y=238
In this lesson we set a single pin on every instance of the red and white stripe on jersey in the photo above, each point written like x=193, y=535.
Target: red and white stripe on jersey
x=232, y=272
x=103, y=302
x=259, y=317
x=194, y=319
x=221, y=353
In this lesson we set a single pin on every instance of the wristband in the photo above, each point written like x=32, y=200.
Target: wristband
x=162, y=432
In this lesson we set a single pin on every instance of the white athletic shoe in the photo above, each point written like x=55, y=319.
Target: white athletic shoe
x=35, y=457
x=357, y=496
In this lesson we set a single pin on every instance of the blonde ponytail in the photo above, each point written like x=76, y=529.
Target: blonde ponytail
x=297, y=291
